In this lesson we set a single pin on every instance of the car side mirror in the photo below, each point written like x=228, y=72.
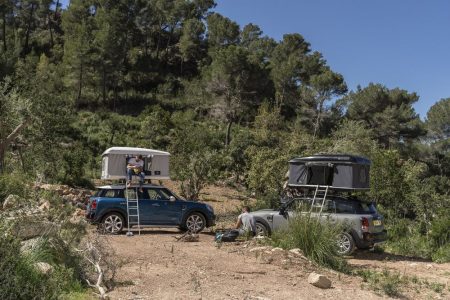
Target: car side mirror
x=172, y=199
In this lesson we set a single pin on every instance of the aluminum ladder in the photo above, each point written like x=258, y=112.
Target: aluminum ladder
x=133, y=217
x=319, y=189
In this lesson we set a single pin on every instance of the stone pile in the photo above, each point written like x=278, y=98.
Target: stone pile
x=74, y=196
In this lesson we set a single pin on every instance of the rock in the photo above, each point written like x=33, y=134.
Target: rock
x=296, y=251
x=277, y=249
x=43, y=268
x=318, y=280
x=258, y=249
x=44, y=206
x=29, y=245
x=28, y=227
x=12, y=201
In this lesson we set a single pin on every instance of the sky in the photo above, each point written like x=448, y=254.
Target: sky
x=398, y=43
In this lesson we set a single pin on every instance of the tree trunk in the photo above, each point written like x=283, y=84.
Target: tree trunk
x=6, y=142
x=104, y=83
x=56, y=9
x=80, y=85
x=4, y=32
x=27, y=36
x=50, y=24
x=319, y=114
x=228, y=135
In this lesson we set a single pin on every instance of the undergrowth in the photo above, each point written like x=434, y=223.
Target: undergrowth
x=317, y=241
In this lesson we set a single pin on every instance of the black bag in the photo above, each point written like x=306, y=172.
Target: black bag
x=227, y=236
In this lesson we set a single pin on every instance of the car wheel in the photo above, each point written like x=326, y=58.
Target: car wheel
x=195, y=222
x=113, y=223
x=345, y=244
x=261, y=229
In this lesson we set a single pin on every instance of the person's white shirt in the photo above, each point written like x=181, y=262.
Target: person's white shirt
x=136, y=164
x=248, y=222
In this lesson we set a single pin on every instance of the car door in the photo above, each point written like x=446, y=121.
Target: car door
x=144, y=205
x=162, y=210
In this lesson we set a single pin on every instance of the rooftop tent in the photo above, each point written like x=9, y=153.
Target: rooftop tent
x=114, y=162
x=335, y=170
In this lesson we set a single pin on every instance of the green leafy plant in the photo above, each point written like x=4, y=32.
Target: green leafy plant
x=317, y=241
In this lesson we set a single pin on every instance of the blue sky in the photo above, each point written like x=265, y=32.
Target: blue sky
x=398, y=43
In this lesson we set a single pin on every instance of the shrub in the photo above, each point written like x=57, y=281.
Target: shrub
x=20, y=279
x=317, y=241
x=12, y=185
x=385, y=281
x=442, y=254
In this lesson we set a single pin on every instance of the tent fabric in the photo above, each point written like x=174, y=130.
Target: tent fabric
x=336, y=175
x=114, y=163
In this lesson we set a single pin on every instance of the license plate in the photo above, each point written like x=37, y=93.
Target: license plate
x=376, y=222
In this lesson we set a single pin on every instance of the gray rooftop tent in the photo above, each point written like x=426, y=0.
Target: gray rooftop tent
x=114, y=162
x=338, y=171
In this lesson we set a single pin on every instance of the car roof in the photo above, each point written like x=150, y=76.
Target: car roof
x=122, y=186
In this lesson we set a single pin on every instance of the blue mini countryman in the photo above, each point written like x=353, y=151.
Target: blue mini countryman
x=158, y=206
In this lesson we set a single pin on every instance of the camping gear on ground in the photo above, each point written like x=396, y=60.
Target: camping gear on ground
x=337, y=171
x=115, y=159
x=226, y=236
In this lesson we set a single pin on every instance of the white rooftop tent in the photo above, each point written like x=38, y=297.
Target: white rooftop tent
x=114, y=162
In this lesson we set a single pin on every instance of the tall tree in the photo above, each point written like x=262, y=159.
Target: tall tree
x=389, y=112
x=221, y=31
x=78, y=25
x=230, y=78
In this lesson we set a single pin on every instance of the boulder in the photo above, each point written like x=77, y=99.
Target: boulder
x=43, y=267
x=29, y=227
x=29, y=245
x=319, y=280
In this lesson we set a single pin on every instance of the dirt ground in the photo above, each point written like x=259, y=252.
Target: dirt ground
x=157, y=266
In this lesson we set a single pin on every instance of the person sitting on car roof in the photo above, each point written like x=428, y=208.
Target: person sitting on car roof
x=246, y=222
x=135, y=166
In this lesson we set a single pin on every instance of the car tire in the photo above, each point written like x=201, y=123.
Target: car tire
x=345, y=244
x=261, y=229
x=113, y=223
x=194, y=222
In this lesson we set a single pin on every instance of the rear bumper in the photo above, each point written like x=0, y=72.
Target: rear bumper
x=370, y=239
x=90, y=217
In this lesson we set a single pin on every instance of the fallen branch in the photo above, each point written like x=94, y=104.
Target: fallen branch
x=252, y=272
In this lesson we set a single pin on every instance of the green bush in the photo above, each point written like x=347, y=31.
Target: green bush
x=442, y=254
x=317, y=241
x=385, y=282
x=406, y=238
x=20, y=279
x=14, y=184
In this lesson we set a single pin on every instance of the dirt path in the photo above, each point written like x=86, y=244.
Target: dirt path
x=159, y=267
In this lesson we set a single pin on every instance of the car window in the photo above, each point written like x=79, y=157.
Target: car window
x=116, y=193
x=345, y=207
x=164, y=194
x=153, y=194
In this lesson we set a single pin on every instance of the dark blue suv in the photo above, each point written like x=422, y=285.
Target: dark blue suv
x=158, y=206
